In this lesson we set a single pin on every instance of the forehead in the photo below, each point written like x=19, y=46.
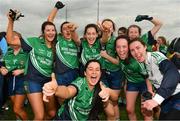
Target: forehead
x=49, y=27
x=133, y=29
x=91, y=29
x=135, y=44
x=122, y=41
x=94, y=65
x=65, y=25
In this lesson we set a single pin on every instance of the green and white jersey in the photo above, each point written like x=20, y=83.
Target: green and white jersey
x=17, y=61
x=145, y=38
x=67, y=52
x=80, y=105
x=89, y=53
x=163, y=49
x=41, y=56
x=110, y=49
x=133, y=70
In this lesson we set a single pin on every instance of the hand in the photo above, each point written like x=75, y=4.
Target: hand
x=17, y=72
x=149, y=104
x=3, y=71
x=59, y=5
x=72, y=27
x=143, y=17
x=49, y=88
x=103, y=53
x=15, y=14
x=105, y=27
x=104, y=93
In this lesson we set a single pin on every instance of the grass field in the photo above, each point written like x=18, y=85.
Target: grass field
x=9, y=115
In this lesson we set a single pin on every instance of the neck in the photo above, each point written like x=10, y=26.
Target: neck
x=48, y=44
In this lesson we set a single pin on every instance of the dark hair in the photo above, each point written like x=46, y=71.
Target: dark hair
x=53, y=44
x=66, y=22
x=89, y=26
x=123, y=30
x=134, y=26
x=90, y=61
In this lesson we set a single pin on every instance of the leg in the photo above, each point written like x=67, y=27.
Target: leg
x=51, y=108
x=19, y=107
x=37, y=105
x=130, y=104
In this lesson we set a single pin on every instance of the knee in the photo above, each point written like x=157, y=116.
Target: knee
x=51, y=114
x=39, y=116
x=129, y=110
x=17, y=110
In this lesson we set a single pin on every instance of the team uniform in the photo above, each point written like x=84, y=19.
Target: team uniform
x=149, y=40
x=113, y=75
x=78, y=107
x=66, y=61
x=135, y=74
x=40, y=63
x=163, y=49
x=13, y=62
x=165, y=78
x=87, y=53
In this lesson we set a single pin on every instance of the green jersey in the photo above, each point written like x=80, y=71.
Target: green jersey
x=41, y=56
x=67, y=52
x=80, y=105
x=163, y=49
x=13, y=61
x=89, y=53
x=145, y=38
x=133, y=70
x=110, y=49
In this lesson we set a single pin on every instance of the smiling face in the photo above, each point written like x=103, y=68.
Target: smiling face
x=138, y=51
x=133, y=33
x=91, y=35
x=122, y=48
x=93, y=73
x=49, y=33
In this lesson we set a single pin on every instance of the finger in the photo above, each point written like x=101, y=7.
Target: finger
x=45, y=99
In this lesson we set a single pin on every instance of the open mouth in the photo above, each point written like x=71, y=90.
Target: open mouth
x=94, y=79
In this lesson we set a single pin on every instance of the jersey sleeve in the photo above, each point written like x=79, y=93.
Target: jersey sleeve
x=171, y=78
x=29, y=43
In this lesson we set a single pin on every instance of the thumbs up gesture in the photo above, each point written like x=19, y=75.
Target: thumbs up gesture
x=49, y=88
x=104, y=93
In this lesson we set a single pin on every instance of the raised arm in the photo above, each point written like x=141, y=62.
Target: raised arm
x=54, y=11
x=157, y=23
x=9, y=33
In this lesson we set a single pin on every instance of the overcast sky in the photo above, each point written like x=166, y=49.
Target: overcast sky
x=82, y=12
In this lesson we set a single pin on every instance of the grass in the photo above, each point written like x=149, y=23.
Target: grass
x=9, y=115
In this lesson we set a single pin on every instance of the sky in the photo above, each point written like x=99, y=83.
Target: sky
x=83, y=12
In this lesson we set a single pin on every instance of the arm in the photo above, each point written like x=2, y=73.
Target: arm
x=9, y=33
x=104, y=54
x=170, y=80
x=157, y=25
x=52, y=88
x=54, y=11
x=149, y=86
x=74, y=34
x=106, y=32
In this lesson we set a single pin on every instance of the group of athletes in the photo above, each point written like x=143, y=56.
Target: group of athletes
x=65, y=77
